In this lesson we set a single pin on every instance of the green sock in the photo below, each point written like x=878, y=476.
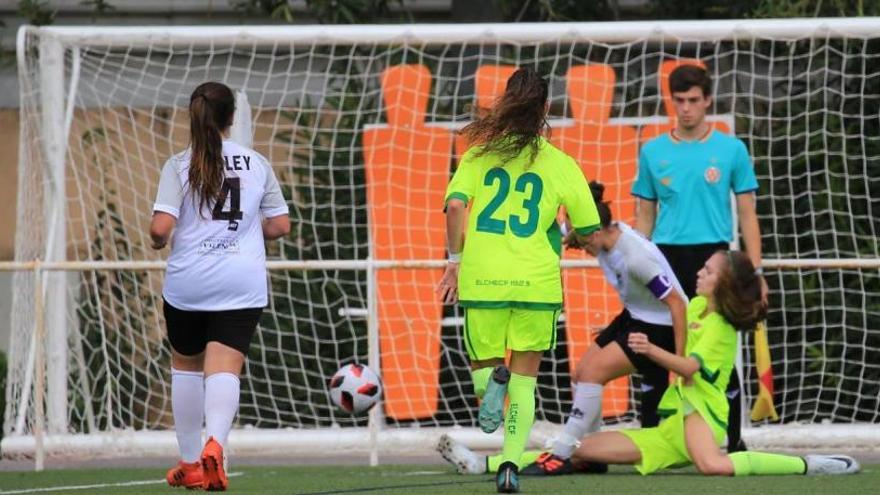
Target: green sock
x=520, y=416
x=752, y=463
x=480, y=378
x=528, y=457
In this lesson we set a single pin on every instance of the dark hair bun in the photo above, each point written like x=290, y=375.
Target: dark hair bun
x=598, y=189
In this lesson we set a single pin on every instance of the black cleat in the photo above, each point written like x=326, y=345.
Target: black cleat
x=548, y=464
x=737, y=447
x=592, y=468
x=506, y=480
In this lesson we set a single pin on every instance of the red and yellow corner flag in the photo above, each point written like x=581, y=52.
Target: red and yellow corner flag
x=763, y=407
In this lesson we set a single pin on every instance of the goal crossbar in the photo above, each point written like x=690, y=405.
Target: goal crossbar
x=609, y=32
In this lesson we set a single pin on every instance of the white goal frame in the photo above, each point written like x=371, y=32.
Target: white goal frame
x=49, y=272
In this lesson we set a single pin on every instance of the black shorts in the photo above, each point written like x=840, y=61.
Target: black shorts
x=190, y=331
x=687, y=259
x=622, y=325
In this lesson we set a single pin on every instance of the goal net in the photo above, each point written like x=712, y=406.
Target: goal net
x=359, y=124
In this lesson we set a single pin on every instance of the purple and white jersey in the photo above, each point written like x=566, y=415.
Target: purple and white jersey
x=639, y=272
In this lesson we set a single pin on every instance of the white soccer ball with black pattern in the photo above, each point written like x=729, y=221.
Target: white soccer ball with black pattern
x=355, y=388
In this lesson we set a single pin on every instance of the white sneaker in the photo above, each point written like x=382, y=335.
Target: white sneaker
x=465, y=460
x=831, y=464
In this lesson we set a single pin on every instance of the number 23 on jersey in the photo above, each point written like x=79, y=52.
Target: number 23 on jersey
x=522, y=224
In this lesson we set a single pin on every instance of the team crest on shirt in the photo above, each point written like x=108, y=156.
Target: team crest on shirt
x=712, y=175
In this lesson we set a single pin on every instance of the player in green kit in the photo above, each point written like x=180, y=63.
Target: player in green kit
x=506, y=275
x=695, y=406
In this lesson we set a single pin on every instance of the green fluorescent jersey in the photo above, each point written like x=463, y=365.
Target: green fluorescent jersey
x=711, y=340
x=513, y=243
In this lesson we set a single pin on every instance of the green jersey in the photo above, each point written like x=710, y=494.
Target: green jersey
x=513, y=243
x=711, y=340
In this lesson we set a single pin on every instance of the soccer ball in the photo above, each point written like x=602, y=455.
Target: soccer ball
x=355, y=388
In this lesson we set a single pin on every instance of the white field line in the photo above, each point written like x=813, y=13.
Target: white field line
x=66, y=488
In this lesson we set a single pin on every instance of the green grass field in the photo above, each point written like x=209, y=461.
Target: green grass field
x=433, y=479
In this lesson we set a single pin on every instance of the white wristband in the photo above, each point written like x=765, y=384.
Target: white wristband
x=759, y=271
x=454, y=258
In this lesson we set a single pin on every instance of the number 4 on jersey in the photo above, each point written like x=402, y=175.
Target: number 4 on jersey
x=233, y=185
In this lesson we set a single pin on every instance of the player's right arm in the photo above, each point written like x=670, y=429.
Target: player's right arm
x=459, y=192
x=646, y=196
x=645, y=216
x=166, y=209
x=678, y=310
x=161, y=227
x=650, y=273
x=682, y=366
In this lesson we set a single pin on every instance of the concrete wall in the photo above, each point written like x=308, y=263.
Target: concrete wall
x=8, y=196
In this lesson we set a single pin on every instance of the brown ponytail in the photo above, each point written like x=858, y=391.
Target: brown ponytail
x=738, y=292
x=597, y=189
x=516, y=121
x=211, y=107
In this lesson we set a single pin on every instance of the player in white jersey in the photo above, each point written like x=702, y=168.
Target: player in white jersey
x=654, y=304
x=217, y=202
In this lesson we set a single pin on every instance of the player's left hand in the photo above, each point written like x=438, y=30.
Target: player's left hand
x=448, y=287
x=639, y=343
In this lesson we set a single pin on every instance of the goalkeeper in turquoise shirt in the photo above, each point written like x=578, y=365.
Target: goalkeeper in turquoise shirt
x=505, y=271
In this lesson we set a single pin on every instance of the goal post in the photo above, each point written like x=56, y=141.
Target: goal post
x=359, y=123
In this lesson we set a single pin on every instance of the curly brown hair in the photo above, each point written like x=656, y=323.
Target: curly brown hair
x=516, y=121
x=738, y=292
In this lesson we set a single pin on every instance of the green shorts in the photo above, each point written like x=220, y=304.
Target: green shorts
x=664, y=446
x=489, y=333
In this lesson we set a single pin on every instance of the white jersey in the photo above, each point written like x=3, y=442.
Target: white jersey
x=639, y=272
x=218, y=256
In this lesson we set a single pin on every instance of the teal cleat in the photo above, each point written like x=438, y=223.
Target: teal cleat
x=492, y=408
x=507, y=480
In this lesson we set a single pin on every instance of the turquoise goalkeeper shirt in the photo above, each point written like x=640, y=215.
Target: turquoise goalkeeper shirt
x=692, y=181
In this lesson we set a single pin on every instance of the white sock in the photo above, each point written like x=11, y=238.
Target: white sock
x=221, y=404
x=187, y=406
x=586, y=410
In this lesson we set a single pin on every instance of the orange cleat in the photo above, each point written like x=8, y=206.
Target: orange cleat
x=186, y=474
x=214, y=467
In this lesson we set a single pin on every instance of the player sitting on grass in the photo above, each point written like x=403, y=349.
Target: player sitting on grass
x=692, y=431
